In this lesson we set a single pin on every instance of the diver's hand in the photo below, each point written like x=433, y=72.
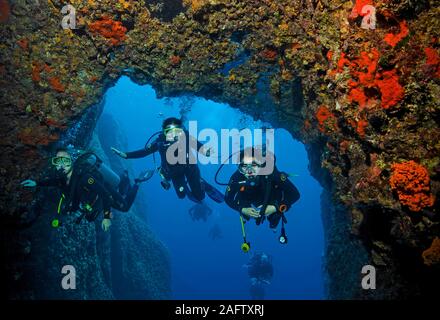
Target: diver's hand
x=119, y=153
x=28, y=183
x=270, y=209
x=106, y=223
x=250, y=212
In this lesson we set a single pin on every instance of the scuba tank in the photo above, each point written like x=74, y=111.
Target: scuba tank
x=92, y=162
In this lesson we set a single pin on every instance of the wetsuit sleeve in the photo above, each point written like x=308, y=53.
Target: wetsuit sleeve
x=51, y=181
x=151, y=148
x=232, y=195
x=290, y=193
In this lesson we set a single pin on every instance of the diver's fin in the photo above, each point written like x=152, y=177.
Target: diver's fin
x=213, y=193
x=145, y=176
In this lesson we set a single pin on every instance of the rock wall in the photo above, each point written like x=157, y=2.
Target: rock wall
x=356, y=81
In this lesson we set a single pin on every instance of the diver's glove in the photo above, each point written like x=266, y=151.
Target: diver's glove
x=119, y=153
x=28, y=183
x=106, y=223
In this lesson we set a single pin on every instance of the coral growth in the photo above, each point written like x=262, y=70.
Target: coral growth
x=112, y=30
x=175, y=60
x=390, y=89
x=36, y=70
x=56, y=84
x=432, y=62
x=269, y=54
x=365, y=75
x=23, y=43
x=5, y=11
x=357, y=9
x=411, y=182
x=195, y=4
x=394, y=39
x=326, y=119
x=360, y=128
x=431, y=256
x=37, y=136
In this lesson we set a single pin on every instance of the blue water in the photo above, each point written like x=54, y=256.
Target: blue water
x=203, y=268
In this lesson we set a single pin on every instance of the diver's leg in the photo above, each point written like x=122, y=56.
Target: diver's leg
x=192, y=174
x=179, y=185
x=124, y=184
x=118, y=201
x=129, y=198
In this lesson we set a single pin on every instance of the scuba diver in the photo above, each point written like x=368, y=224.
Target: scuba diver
x=260, y=267
x=185, y=177
x=260, y=195
x=215, y=232
x=200, y=211
x=89, y=186
x=260, y=271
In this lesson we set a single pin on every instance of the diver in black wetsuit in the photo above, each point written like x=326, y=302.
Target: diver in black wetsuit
x=260, y=271
x=200, y=211
x=260, y=267
x=248, y=192
x=185, y=176
x=84, y=187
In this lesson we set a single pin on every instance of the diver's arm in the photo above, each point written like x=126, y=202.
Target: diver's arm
x=106, y=222
x=151, y=148
x=232, y=196
x=51, y=181
x=200, y=146
x=291, y=193
x=232, y=199
x=46, y=182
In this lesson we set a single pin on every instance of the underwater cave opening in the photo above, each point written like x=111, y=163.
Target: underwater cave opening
x=203, y=268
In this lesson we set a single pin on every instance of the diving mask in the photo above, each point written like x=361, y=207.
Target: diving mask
x=61, y=161
x=172, y=132
x=250, y=169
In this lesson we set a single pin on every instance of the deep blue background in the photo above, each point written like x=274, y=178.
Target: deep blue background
x=203, y=268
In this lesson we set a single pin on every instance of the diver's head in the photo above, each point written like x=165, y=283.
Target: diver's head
x=62, y=161
x=172, y=129
x=251, y=162
x=264, y=257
